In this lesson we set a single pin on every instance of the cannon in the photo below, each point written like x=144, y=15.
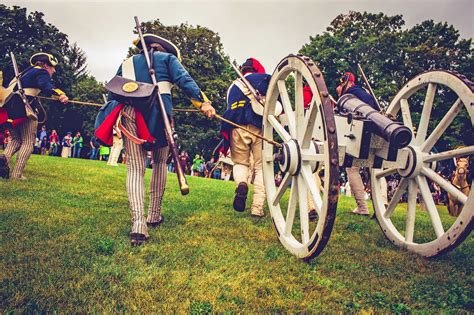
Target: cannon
x=318, y=140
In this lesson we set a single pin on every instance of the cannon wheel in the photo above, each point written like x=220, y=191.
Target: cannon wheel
x=300, y=157
x=445, y=233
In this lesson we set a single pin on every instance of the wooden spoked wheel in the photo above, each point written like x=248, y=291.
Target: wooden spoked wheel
x=309, y=143
x=420, y=225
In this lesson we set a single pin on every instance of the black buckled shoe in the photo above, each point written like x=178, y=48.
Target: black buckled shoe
x=240, y=198
x=137, y=239
x=156, y=224
x=4, y=169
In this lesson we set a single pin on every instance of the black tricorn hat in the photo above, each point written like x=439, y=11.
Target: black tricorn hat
x=152, y=38
x=44, y=57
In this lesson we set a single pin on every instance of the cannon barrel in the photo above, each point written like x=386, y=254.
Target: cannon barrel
x=394, y=132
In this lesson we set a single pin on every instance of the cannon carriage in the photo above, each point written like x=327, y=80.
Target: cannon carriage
x=316, y=141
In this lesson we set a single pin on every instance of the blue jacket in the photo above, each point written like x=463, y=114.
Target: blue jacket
x=239, y=108
x=36, y=78
x=167, y=68
x=362, y=94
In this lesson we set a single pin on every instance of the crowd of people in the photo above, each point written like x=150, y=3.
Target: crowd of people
x=49, y=142
x=198, y=166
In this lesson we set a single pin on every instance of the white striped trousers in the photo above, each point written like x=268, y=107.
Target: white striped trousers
x=135, y=183
x=23, y=140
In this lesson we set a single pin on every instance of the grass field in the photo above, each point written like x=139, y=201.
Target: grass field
x=65, y=247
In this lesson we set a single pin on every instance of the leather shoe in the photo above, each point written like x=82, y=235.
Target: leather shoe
x=240, y=198
x=161, y=219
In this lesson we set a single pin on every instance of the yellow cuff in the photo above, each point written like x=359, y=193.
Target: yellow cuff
x=197, y=103
x=58, y=92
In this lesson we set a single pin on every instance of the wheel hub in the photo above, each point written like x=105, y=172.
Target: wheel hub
x=291, y=157
x=414, y=162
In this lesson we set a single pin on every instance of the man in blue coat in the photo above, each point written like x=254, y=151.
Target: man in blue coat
x=34, y=80
x=165, y=58
x=246, y=148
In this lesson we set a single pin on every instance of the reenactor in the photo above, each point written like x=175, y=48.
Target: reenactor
x=245, y=148
x=20, y=110
x=146, y=123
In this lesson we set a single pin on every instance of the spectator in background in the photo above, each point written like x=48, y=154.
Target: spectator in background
x=124, y=156
x=42, y=133
x=217, y=170
x=278, y=179
x=7, y=138
x=44, y=145
x=66, y=151
x=183, y=160
x=95, y=146
x=209, y=168
x=104, y=152
x=77, y=143
x=115, y=150
x=197, y=165
x=54, y=143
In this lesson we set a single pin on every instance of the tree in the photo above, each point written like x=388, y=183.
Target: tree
x=390, y=56
x=26, y=34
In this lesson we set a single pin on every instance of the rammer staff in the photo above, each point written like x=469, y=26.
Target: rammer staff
x=368, y=86
x=29, y=112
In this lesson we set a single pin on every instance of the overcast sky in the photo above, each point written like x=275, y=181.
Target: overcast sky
x=266, y=30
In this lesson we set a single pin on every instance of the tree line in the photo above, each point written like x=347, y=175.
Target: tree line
x=389, y=53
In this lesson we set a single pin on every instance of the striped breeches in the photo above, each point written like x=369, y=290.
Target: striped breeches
x=136, y=166
x=23, y=140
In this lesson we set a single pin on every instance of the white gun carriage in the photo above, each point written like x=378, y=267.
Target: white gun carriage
x=318, y=140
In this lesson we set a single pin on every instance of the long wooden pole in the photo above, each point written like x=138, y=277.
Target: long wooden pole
x=183, y=185
x=368, y=85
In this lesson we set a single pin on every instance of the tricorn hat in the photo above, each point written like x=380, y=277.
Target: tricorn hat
x=47, y=58
x=152, y=38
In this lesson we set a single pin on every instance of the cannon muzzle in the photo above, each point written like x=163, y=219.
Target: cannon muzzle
x=394, y=132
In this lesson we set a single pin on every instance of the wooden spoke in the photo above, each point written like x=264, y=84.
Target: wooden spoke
x=402, y=186
x=411, y=211
x=406, y=114
x=309, y=179
x=442, y=126
x=287, y=107
x=285, y=182
x=310, y=157
x=443, y=183
x=280, y=130
x=449, y=154
x=303, y=206
x=426, y=114
x=292, y=202
x=268, y=157
x=308, y=125
x=430, y=205
x=385, y=173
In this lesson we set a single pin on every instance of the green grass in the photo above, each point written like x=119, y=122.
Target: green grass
x=65, y=247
